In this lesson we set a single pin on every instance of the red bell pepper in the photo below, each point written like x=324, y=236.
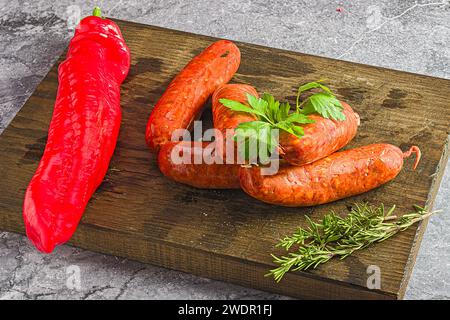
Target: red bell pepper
x=82, y=135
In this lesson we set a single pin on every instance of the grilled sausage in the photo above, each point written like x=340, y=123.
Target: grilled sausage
x=185, y=96
x=340, y=175
x=321, y=138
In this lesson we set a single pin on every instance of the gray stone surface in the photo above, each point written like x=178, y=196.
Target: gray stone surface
x=405, y=35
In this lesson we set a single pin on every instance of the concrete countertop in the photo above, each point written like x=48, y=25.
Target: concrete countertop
x=405, y=35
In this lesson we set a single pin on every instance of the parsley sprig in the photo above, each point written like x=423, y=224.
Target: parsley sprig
x=270, y=115
x=323, y=103
x=273, y=115
x=336, y=236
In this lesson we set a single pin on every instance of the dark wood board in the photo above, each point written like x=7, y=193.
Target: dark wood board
x=139, y=214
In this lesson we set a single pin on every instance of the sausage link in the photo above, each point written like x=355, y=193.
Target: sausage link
x=225, y=118
x=201, y=175
x=185, y=96
x=340, y=175
x=321, y=138
x=213, y=175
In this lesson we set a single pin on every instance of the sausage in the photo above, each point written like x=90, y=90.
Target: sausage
x=340, y=175
x=225, y=118
x=200, y=175
x=213, y=175
x=185, y=96
x=321, y=138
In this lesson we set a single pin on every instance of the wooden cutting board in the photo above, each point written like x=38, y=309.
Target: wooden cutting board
x=139, y=214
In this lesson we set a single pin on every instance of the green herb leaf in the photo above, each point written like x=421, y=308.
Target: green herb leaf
x=251, y=129
x=255, y=134
x=260, y=105
x=324, y=103
x=271, y=115
x=299, y=132
x=298, y=118
x=272, y=107
x=337, y=236
x=283, y=112
x=240, y=107
x=288, y=127
x=313, y=85
x=289, y=124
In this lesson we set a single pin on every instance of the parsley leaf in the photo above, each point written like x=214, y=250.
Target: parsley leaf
x=283, y=112
x=237, y=106
x=251, y=129
x=272, y=106
x=298, y=118
x=289, y=124
x=258, y=139
x=312, y=85
x=258, y=104
x=324, y=103
x=255, y=140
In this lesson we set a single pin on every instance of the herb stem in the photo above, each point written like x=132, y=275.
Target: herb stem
x=297, y=101
x=300, y=106
x=336, y=236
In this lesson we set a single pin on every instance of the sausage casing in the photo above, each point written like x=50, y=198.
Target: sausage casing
x=199, y=175
x=209, y=175
x=186, y=95
x=321, y=138
x=340, y=175
x=225, y=118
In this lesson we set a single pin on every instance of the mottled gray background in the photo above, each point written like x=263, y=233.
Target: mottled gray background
x=405, y=35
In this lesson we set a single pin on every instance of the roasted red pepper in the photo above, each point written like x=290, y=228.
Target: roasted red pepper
x=82, y=134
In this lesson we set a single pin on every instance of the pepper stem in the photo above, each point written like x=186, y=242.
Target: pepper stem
x=97, y=12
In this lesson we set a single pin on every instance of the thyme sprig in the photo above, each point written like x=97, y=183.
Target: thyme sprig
x=336, y=236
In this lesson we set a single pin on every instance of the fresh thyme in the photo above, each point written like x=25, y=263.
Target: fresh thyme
x=336, y=236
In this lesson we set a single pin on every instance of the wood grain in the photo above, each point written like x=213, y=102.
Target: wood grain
x=139, y=214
